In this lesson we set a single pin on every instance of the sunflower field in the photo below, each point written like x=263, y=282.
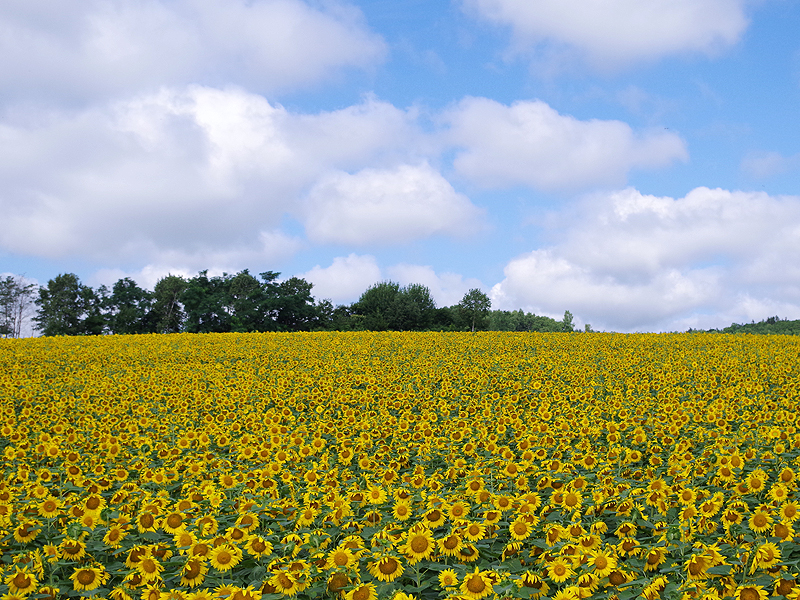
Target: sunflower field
x=365, y=466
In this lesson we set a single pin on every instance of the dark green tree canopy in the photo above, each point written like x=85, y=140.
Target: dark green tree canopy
x=68, y=307
x=474, y=308
x=129, y=308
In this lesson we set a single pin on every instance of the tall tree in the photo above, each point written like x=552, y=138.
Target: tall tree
x=167, y=312
x=474, y=308
x=566, y=323
x=251, y=301
x=413, y=309
x=376, y=304
x=129, y=308
x=68, y=307
x=208, y=303
x=16, y=303
x=295, y=305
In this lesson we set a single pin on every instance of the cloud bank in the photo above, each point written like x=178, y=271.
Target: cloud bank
x=617, y=33
x=631, y=261
x=111, y=48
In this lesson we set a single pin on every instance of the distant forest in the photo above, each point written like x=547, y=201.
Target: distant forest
x=242, y=302
x=770, y=326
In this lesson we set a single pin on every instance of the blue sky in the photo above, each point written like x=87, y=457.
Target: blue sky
x=635, y=163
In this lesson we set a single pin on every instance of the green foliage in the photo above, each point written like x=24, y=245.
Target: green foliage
x=770, y=326
x=67, y=307
x=387, y=306
x=474, y=308
x=129, y=309
x=517, y=320
x=244, y=303
x=167, y=309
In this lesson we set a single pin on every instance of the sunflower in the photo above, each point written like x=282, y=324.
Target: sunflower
x=49, y=507
x=149, y=568
x=474, y=532
x=257, y=546
x=602, y=562
x=335, y=584
x=490, y=517
x=363, y=591
x=225, y=557
x=146, y=521
x=520, y=529
x=88, y=578
x=476, y=585
x=386, y=568
x=434, y=517
x=51, y=552
x=194, y=572
x=114, y=536
x=71, y=549
x=766, y=556
x=458, y=511
x=751, y=592
x=184, y=540
x=655, y=557
x=697, y=566
x=756, y=481
x=553, y=533
x=559, y=570
x=789, y=511
x=201, y=548
x=760, y=521
x=173, y=522
x=565, y=594
x=572, y=500
x=340, y=558
x=150, y=592
x=21, y=581
x=589, y=543
x=376, y=494
x=448, y=578
x=502, y=503
x=402, y=510
x=25, y=532
x=450, y=545
x=285, y=583
x=419, y=544
x=784, y=531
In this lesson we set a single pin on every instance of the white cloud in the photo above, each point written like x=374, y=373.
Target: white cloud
x=196, y=170
x=530, y=143
x=104, y=48
x=637, y=262
x=762, y=165
x=378, y=206
x=446, y=288
x=615, y=33
x=345, y=279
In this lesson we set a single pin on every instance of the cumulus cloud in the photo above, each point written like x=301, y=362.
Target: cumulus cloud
x=446, y=288
x=615, y=33
x=345, y=278
x=194, y=171
x=105, y=48
x=377, y=206
x=530, y=143
x=637, y=262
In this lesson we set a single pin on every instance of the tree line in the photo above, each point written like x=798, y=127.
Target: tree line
x=242, y=302
x=769, y=326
